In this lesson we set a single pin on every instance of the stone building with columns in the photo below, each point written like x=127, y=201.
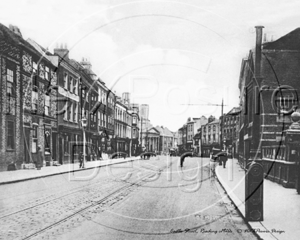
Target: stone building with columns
x=152, y=139
x=166, y=141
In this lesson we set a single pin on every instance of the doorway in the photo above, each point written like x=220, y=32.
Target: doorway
x=60, y=151
x=54, y=136
x=27, y=145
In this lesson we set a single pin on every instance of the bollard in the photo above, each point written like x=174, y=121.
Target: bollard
x=254, y=192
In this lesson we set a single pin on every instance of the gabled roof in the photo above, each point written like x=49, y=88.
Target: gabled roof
x=164, y=131
x=197, y=136
x=44, y=52
x=168, y=132
x=213, y=122
x=153, y=130
x=6, y=33
x=14, y=38
x=234, y=111
x=289, y=41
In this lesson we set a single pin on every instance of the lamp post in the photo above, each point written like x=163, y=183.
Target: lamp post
x=141, y=132
x=84, y=124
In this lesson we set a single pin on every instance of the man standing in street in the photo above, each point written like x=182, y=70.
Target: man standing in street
x=81, y=163
x=224, y=159
x=40, y=158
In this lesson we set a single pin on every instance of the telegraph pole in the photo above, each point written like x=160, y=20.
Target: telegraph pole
x=141, y=132
x=221, y=125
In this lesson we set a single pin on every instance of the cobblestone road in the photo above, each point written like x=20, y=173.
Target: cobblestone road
x=147, y=199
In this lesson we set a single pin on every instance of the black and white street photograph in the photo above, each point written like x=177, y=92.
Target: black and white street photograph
x=149, y=119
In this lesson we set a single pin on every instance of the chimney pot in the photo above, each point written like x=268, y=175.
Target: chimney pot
x=63, y=53
x=265, y=37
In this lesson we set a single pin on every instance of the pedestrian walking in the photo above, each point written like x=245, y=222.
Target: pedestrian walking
x=40, y=158
x=213, y=162
x=224, y=160
x=80, y=158
x=181, y=161
x=100, y=153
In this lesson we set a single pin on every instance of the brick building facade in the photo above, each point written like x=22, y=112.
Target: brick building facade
x=231, y=124
x=210, y=136
x=269, y=85
x=11, y=120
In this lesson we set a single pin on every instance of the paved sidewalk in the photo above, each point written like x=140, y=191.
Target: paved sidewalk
x=28, y=174
x=281, y=205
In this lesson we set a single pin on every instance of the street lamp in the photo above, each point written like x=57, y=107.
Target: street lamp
x=83, y=124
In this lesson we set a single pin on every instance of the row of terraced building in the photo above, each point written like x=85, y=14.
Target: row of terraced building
x=44, y=96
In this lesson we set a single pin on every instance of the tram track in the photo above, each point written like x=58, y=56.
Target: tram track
x=38, y=218
x=110, y=195
x=79, y=189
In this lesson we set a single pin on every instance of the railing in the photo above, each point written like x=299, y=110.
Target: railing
x=277, y=168
x=274, y=152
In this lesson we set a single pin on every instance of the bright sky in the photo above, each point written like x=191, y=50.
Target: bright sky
x=168, y=54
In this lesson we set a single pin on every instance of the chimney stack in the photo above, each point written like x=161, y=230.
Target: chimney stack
x=62, y=52
x=15, y=29
x=265, y=37
x=257, y=72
